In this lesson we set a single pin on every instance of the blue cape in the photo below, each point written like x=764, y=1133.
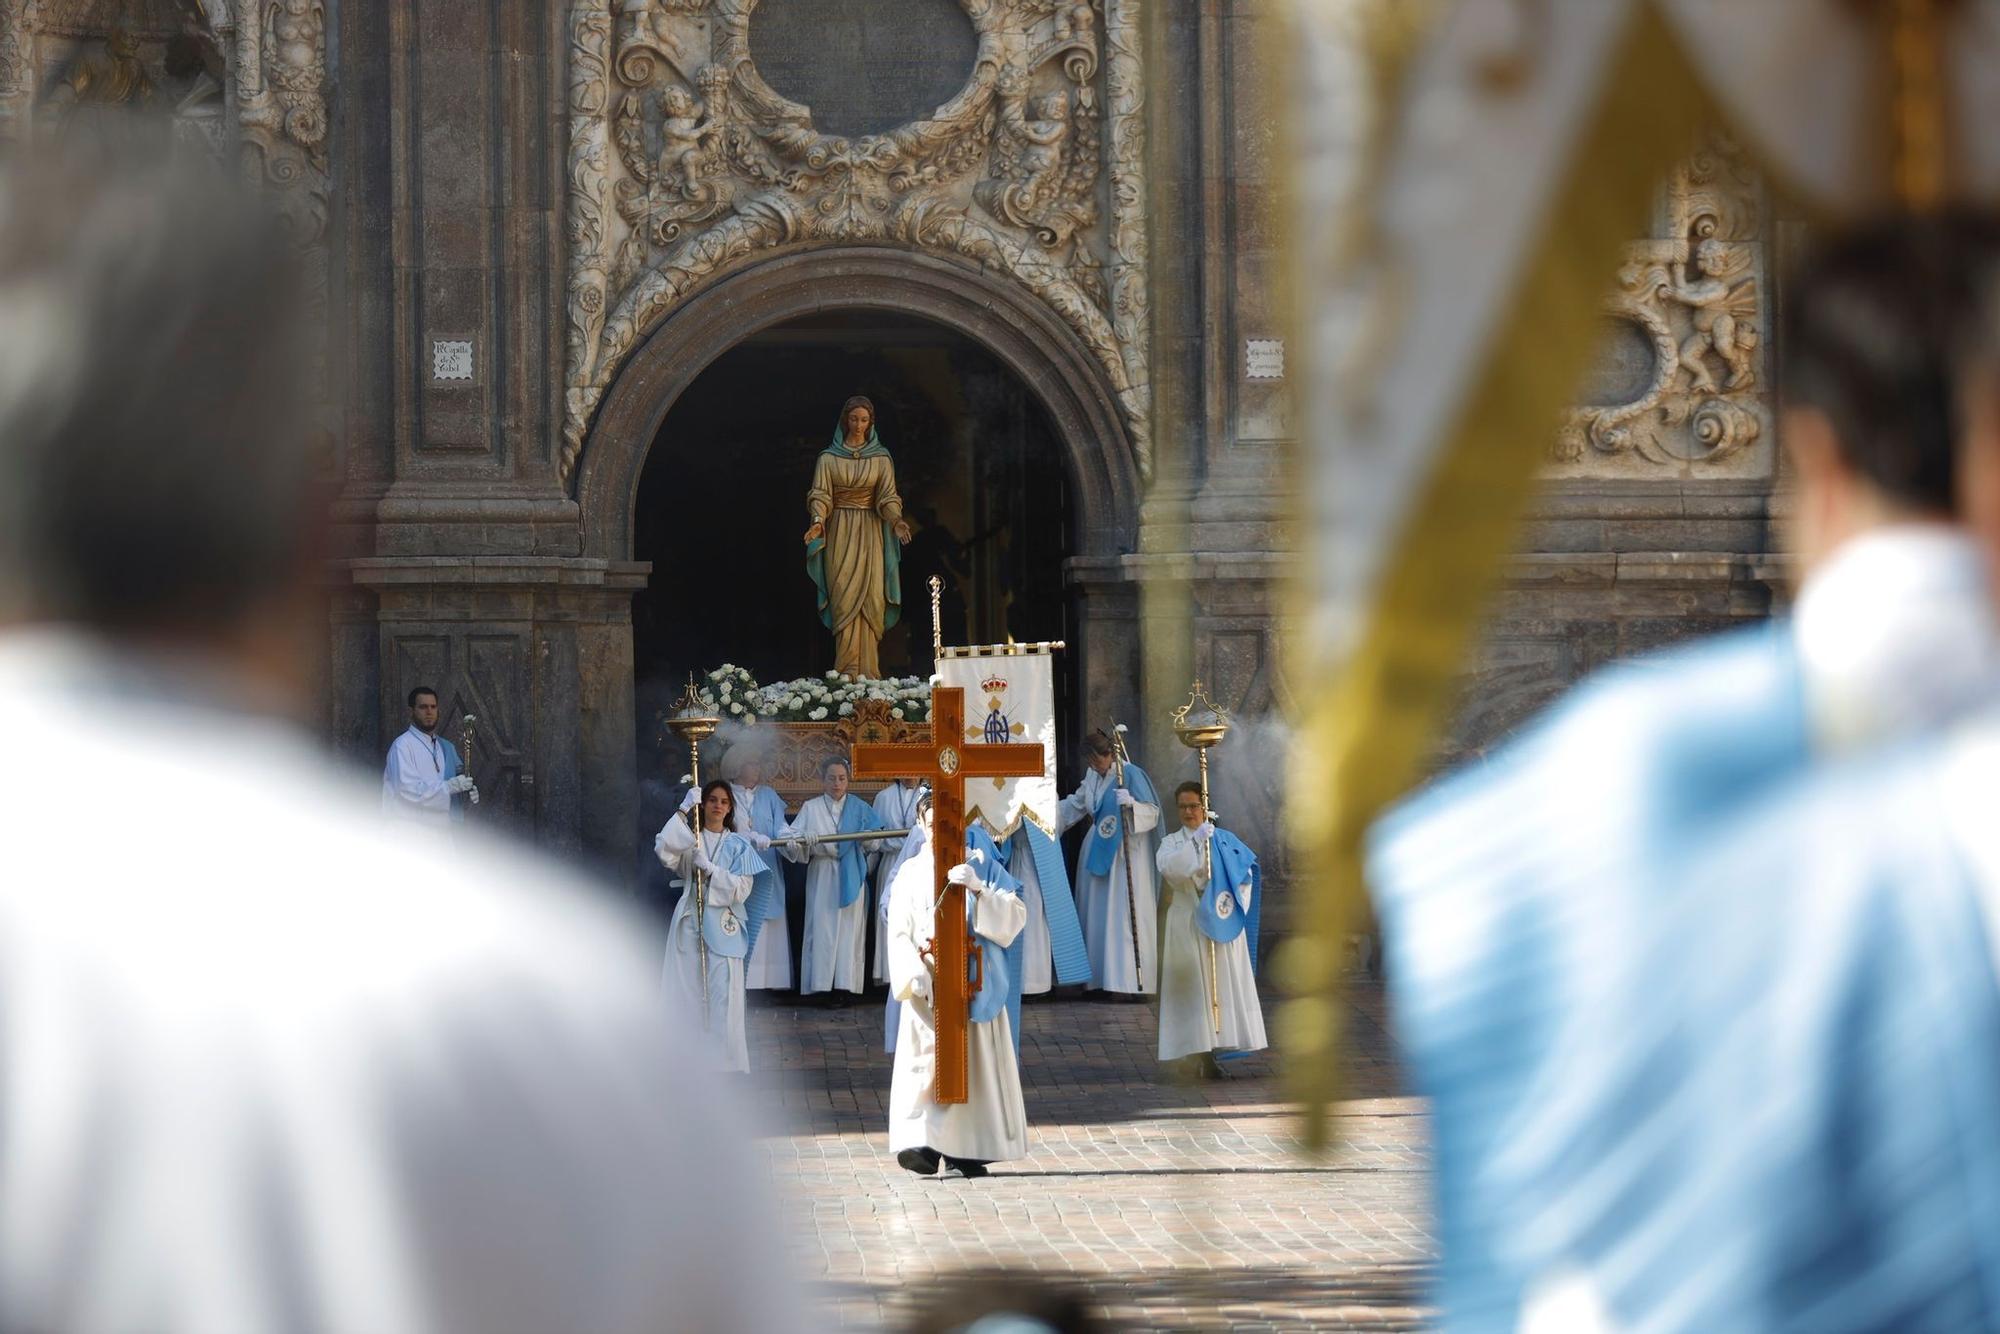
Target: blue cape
x=1107, y=832
x=892, y=550
x=1066, y=948
x=767, y=817
x=1000, y=987
x=1220, y=913
x=856, y=817
x=727, y=932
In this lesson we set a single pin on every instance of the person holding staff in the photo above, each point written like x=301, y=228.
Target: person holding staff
x=1208, y=934
x=716, y=922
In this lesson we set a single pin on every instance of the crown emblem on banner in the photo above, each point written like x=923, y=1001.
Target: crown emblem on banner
x=993, y=685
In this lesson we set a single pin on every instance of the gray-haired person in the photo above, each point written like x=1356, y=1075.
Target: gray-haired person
x=266, y=1065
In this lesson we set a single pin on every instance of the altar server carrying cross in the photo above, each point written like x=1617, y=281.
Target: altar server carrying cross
x=946, y=766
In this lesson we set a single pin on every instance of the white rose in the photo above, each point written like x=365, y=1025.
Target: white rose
x=735, y=708
x=897, y=711
x=846, y=709
x=817, y=714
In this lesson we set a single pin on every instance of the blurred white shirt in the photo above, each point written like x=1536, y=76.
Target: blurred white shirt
x=265, y=1067
x=1896, y=635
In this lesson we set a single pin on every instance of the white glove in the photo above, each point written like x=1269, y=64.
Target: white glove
x=701, y=860
x=461, y=783
x=1205, y=832
x=1125, y=797
x=759, y=841
x=473, y=793
x=960, y=874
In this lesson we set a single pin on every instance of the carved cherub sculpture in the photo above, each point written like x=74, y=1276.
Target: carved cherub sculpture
x=1723, y=310
x=1043, y=130
x=684, y=135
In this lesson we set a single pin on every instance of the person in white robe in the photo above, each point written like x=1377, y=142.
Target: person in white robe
x=269, y=1063
x=760, y=817
x=1208, y=984
x=728, y=867
x=896, y=808
x=833, y=951
x=423, y=773
x=1117, y=885
x=992, y=1124
x=1516, y=898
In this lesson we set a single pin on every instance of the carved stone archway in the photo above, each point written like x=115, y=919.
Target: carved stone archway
x=1021, y=332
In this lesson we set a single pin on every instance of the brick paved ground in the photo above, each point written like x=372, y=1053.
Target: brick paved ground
x=1179, y=1206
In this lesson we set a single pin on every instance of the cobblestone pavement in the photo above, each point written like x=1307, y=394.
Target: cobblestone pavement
x=1170, y=1206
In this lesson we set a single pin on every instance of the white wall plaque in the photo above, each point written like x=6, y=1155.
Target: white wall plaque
x=1264, y=358
x=451, y=359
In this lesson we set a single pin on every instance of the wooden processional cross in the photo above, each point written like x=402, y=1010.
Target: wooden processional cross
x=946, y=761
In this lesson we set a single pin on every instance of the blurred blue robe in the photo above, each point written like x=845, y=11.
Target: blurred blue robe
x=1514, y=897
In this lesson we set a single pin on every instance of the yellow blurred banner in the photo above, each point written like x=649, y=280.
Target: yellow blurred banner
x=1594, y=105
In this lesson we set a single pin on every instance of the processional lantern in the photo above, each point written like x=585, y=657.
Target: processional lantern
x=690, y=719
x=1201, y=725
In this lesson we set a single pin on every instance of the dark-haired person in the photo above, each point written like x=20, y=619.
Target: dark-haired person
x=1117, y=887
x=1521, y=902
x=322, y=1075
x=1212, y=891
x=423, y=771
x=833, y=952
x=705, y=849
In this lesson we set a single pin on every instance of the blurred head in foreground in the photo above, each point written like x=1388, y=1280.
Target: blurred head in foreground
x=1876, y=329
x=265, y=1064
x=155, y=475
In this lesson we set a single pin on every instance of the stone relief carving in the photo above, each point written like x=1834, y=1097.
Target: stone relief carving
x=684, y=161
x=1696, y=297
x=180, y=56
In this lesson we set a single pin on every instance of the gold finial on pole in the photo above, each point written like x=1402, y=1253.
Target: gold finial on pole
x=937, y=625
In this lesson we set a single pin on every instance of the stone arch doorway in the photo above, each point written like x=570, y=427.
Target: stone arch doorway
x=1009, y=403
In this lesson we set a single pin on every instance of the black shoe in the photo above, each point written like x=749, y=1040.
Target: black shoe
x=921, y=1161
x=964, y=1169
x=1212, y=1068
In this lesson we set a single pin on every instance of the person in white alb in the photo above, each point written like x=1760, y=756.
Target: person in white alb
x=1208, y=935
x=992, y=1124
x=274, y=1066
x=423, y=772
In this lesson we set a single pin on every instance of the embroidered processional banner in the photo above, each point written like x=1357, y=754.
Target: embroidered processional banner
x=1010, y=696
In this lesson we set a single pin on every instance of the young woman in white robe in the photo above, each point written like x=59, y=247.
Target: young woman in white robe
x=730, y=865
x=1188, y=1024
x=992, y=1124
x=896, y=808
x=759, y=817
x=1111, y=918
x=833, y=954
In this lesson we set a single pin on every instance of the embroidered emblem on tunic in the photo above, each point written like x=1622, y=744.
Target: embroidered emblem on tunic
x=729, y=924
x=1108, y=827
x=1225, y=904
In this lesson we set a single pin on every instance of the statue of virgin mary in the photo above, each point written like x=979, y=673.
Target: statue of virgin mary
x=854, y=548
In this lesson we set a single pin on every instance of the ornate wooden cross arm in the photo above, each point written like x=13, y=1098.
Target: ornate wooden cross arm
x=947, y=764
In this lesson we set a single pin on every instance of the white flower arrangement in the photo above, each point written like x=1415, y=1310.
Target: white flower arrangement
x=812, y=699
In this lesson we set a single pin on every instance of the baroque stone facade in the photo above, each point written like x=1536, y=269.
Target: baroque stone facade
x=684, y=161
x=539, y=223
